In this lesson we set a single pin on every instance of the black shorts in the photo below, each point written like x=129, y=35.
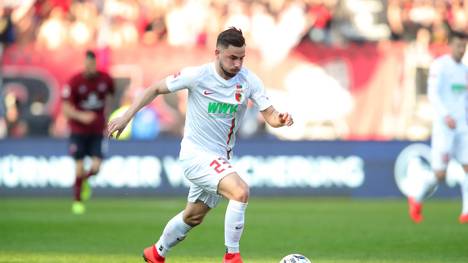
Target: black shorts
x=85, y=145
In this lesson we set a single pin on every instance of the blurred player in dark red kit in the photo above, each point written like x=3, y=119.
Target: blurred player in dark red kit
x=86, y=102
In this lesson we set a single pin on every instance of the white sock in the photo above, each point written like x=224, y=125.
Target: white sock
x=234, y=225
x=174, y=232
x=418, y=188
x=428, y=185
x=464, y=191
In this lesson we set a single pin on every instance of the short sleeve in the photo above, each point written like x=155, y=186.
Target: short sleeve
x=258, y=94
x=184, y=79
x=67, y=90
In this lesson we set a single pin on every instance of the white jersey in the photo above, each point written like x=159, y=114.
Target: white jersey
x=215, y=107
x=447, y=91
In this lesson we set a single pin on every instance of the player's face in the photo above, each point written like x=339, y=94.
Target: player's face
x=90, y=66
x=458, y=46
x=230, y=60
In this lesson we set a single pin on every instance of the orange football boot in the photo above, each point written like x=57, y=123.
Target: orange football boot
x=232, y=258
x=151, y=255
x=463, y=219
x=415, y=210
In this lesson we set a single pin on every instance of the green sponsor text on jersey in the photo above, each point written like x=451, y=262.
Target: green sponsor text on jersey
x=457, y=87
x=222, y=109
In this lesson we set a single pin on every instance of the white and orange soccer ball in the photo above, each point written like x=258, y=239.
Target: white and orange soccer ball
x=295, y=258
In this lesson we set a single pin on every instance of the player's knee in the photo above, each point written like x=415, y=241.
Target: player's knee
x=193, y=220
x=80, y=173
x=95, y=170
x=440, y=176
x=96, y=167
x=465, y=168
x=241, y=194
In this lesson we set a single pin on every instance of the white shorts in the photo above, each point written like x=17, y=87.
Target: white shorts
x=204, y=171
x=448, y=144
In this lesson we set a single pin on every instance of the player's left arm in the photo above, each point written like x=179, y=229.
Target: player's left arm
x=270, y=114
x=277, y=119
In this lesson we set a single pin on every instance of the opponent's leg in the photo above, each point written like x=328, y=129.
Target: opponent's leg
x=86, y=190
x=95, y=167
x=77, y=151
x=78, y=207
x=93, y=149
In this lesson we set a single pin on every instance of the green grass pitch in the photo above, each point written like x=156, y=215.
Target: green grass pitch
x=325, y=230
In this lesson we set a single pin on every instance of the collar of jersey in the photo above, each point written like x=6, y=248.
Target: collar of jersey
x=229, y=82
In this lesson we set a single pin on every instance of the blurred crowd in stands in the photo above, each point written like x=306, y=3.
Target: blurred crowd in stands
x=269, y=25
x=122, y=23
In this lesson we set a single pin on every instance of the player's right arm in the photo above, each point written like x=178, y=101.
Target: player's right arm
x=70, y=111
x=149, y=94
x=182, y=80
x=85, y=117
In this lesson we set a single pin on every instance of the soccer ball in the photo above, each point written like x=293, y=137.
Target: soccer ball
x=295, y=258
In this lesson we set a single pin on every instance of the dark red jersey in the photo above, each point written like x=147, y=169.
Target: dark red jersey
x=89, y=94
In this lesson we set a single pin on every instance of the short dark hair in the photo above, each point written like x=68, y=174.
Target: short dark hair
x=231, y=36
x=90, y=54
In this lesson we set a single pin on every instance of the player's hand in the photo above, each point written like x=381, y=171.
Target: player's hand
x=86, y=117
x=450, y=122
x=116, y=126
x=286, y=119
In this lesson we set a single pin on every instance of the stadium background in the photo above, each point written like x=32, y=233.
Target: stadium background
x=346, y=70
x=352, y=73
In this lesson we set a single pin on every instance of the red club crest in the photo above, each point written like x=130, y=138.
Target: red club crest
x=175, y=75
x=239, y=92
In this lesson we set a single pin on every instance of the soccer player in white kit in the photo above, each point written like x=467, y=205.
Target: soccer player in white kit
x=447, y=91
x=217, y=100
